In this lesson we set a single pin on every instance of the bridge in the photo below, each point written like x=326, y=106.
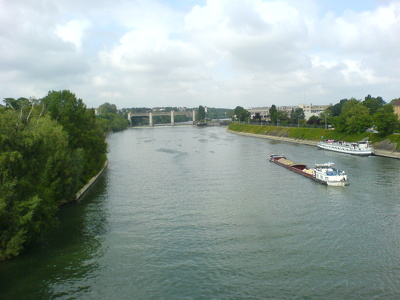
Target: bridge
x=160, y=113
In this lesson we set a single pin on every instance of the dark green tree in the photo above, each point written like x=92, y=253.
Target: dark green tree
x=201, y=114
x=314, y=120
x=336, y=110
x=110, y=119
x=242, y=114
x=106, y=109
x=386, y=120
x=84, y=132
x=373, y=104
x=355, y=118
x=37, y=168
x=283, y=118
x=273, y=114
x=297, y=115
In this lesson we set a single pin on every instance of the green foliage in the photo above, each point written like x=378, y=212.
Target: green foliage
x=110, y=119
x=217, y=113
x=84, y=132
x=336, y=110
x=313, y=134
x=297, y=115
x=107, y=108
x=274, y=114
x=36, y=169
x=373, y=104
x=354, y=118
x=45, y=158
x=386, y=120
x=201, y=114
x=242, y=114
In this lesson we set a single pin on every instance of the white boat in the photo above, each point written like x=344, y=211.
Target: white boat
x=329, y=175
x=363, y=148
x=322, y=173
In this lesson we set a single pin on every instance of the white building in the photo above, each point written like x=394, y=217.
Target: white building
x=309, y=110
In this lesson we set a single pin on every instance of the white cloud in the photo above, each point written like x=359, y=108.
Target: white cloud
x=73, y=31
x=218, y=53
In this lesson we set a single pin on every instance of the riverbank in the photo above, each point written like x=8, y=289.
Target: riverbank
x=87, y=186
x=383, y=148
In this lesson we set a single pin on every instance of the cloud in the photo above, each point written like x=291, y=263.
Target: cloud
x=214, y=53
x=73, y=31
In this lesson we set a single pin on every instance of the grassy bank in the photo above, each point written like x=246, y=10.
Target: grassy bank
x=313, y=134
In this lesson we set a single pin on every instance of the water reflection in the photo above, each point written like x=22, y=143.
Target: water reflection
x=58, y=264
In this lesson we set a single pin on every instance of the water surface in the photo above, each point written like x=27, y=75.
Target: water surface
x=197, y=213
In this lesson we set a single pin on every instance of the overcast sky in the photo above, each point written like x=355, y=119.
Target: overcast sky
x=216, y=53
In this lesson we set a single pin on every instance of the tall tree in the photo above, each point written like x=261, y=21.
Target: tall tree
x=386, y=120
x=373, y=104
x=297, y=115
x=107, y=108
x=336, y=110
x=201, y=114
x=355, y=118
x=37, y=168
x=83, y=130
x=242, y=114
x=273, y=114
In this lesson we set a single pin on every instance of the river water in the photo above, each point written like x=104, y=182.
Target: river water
x=198, y=213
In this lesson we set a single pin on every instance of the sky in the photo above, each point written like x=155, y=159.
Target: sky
x=215, y=53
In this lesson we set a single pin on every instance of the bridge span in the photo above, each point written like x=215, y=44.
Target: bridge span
x=171, y=113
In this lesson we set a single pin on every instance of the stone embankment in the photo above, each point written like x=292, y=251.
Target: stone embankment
x=90, y=183
x=384, y=148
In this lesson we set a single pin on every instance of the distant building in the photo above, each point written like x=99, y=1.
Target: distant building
x=263, y=111
x=313, y=110
x=396, y=106
x=309, y=110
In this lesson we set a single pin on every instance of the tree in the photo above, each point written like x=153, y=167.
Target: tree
x=355, y=118
x=110, y=119
x=282, y=117
x=296, y=115
x=314, y=120
x=326, y=116
x=107, y=108
x=274, y=114
x=230, y=113
x=336, y=110
x=201, y=114
x=386, y=120
x=257, y=117
x=373, y=104
x=242, y=114
x=37, y=168
x=84, y=132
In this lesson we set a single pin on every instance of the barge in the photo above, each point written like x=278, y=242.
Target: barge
x=323, y=173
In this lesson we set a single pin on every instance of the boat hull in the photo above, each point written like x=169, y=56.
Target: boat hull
x=348, y=149
x=303, y=170
x=293, y=169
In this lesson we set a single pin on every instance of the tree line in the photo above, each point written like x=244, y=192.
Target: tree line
x=49, y=148
x=354, y=116
x=351, y=116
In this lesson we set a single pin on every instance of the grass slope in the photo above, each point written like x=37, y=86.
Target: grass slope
x=314, y=134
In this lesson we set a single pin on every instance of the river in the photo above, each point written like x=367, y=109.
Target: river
x=198, y=213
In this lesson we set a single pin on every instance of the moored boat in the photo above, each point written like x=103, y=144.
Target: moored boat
x=363, y=148
x=323, y=173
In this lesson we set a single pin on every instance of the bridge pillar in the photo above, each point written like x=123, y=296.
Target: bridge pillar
x=130, y=118
x=194, y=117
x=150, y=119
x=172, y=118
